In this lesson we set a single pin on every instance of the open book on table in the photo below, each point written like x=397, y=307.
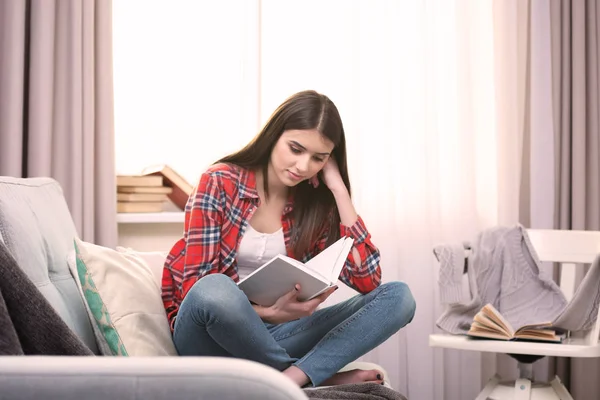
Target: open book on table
x=490, y=324
x=280, y=274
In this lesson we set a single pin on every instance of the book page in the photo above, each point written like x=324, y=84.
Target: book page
x=483, y=322
x=331, y=260
x=535, y=327
x=478, y=326
x=341, y=260
x=487, y=335
x=538, y=332
x=485, y=331
x=324, y=261
x=493, y=314
x=489, y=323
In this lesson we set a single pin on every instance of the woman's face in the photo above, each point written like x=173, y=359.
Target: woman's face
x=299, y=155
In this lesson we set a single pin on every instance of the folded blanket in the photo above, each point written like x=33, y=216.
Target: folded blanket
x=354, y=391
x=30, y=326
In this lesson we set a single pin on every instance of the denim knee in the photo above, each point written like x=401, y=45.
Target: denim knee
x=403, y=303
x=216, y=293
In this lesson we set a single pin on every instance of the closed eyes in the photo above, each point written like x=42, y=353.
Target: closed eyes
x=297, y=150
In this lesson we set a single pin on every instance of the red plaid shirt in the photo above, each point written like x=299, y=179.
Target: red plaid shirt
x=216, y=217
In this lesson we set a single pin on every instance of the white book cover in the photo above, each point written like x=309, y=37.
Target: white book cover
x=280, y=274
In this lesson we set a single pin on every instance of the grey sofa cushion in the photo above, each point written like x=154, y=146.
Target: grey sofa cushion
x=37, y=228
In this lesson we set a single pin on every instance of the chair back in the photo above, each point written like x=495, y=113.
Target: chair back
x=572, y=250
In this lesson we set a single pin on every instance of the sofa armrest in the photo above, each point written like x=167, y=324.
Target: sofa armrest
x=94, y=378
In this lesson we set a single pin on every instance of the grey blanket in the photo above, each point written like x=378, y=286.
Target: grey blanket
x=582, y=311
x=30, y=326
x=503, y=269
x=354, y=391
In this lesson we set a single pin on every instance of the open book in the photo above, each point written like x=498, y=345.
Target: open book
x=280, y=274
x=489, y=323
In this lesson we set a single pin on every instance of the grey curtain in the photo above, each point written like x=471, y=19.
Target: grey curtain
x=576, y=111
x=56, y=104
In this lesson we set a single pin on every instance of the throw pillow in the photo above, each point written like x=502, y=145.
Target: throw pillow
x=107, y=339
x=154, y=259
x=124, y=300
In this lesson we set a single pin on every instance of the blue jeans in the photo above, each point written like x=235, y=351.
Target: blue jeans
x=216, y=319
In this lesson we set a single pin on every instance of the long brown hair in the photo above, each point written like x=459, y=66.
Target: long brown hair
x=315, y=210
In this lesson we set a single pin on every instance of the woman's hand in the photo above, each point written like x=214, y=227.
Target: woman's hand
x=331, y=176
x=288, y=307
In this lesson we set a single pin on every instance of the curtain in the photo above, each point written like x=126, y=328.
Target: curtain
x=575, y=45
x=432, y=95
x=56, y=93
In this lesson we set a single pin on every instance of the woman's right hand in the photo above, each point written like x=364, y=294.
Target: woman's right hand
x=288, y=307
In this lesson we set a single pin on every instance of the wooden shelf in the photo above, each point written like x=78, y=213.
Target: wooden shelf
x=151, y=218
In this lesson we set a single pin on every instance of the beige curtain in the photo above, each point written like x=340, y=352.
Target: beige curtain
x=512, y=69
x=576, y=110
x=56, y=96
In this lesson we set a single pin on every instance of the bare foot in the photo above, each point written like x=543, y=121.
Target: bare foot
x=296, y=375
x=354, y=376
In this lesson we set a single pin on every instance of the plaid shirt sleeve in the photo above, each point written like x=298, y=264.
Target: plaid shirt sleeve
x=197, y=254
x=202, y=232
x=363, y=277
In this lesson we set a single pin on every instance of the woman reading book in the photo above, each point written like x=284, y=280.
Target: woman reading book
x=287, y=192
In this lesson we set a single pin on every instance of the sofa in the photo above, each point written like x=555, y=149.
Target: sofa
x=37, y=228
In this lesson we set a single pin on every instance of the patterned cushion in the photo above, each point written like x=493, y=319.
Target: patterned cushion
x=124, y=299
x=106, y=332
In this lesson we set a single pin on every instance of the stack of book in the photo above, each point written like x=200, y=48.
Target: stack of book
x=181, y=189
x=151, y=190
x=137, y=194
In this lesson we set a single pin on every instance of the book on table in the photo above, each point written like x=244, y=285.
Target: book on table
x=145, y=189
x=142, y=197
x=139, y=181
x=139, y=207
x=140, y=194
x=280, y=274
x=181, y=189
x=490, y=324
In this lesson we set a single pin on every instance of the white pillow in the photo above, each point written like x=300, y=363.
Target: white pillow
x=125, y=300
x=154, y=259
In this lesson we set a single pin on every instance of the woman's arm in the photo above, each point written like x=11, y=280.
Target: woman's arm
x=197, y=253
x=362, y=270
x=202, y=231
x=348, y=215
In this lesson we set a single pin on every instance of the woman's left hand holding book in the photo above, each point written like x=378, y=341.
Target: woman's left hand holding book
x=289, y=308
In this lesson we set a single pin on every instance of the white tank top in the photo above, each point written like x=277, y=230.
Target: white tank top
x=257, y=248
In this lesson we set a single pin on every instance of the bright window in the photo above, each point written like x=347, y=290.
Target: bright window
x=186, y=82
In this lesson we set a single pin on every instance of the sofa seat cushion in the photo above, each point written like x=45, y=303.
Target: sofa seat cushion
x=37, y=228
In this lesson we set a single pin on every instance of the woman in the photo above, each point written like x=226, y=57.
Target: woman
x=286, y=192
